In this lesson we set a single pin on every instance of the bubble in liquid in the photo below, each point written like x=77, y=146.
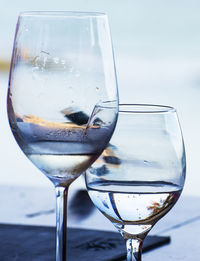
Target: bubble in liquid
x=146, y=162
x=40, y=61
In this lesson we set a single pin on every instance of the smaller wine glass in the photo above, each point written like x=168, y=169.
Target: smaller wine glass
x=140, y=175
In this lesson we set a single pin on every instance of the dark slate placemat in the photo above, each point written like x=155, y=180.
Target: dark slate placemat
x=33, y=243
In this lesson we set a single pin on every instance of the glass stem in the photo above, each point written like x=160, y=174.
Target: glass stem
x=134, y=249
x=61, y=223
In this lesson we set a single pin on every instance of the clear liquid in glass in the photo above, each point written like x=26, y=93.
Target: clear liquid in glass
x=133, y=207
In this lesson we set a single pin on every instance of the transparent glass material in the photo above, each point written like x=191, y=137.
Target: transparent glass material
x=62, y=97
x=140, y=175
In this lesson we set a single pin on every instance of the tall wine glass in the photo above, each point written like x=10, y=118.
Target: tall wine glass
x=140, y=175
x=62, y=78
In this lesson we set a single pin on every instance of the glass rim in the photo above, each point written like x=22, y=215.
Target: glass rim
x=61, y=14
x=107, y=104
x=145, y=108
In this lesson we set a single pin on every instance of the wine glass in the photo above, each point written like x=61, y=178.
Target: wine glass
x=62, y=97
x=140, y=175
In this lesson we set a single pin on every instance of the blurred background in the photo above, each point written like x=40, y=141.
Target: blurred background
x=157, y=53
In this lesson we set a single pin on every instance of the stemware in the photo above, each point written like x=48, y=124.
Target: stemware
x=62, y=97
x=140, y=175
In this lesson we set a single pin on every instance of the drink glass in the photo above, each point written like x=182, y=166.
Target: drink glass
x=62, y=97
x=140, y=175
